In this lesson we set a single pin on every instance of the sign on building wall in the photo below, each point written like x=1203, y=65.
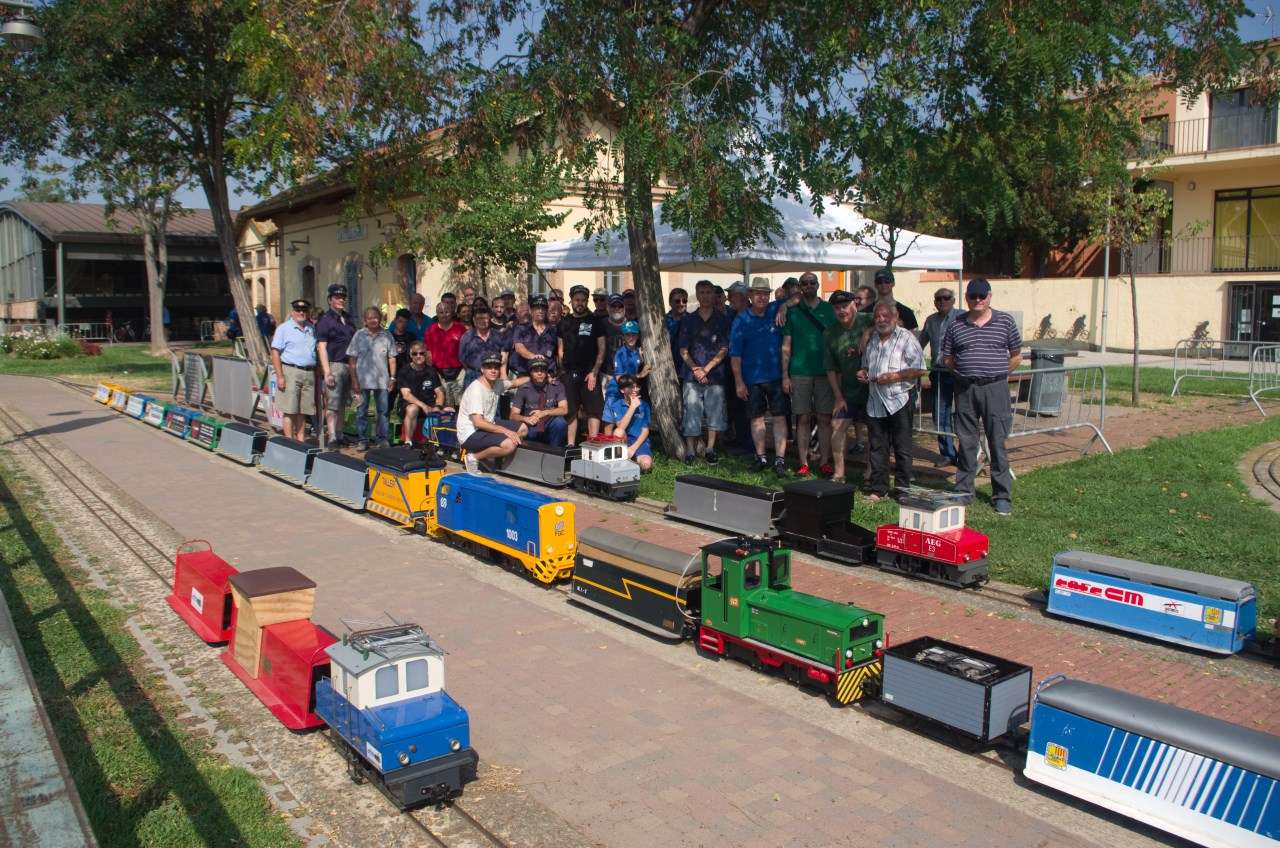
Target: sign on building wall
x=355, y=232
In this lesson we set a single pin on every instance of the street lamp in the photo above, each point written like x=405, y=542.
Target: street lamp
x=21, y=28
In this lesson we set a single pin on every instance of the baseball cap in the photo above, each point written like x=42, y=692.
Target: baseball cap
x=537, y=362
x=978, y=287
x=600, y=293
x=738, y=288
x=508, y=294
x=579, y=289
x=491, y=359
x=630, y=327
x=884, y=275
x=337, y=289
x=538, y=301
x=616, y=300
x=839, y=298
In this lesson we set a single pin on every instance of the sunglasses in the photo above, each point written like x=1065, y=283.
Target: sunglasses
x=944, y=297
x=418, y=353
x=975, y=297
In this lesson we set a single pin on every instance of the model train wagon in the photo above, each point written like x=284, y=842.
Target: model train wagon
x=741, y=605
x=1201, y=778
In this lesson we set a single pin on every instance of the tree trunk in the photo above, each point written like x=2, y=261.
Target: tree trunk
x=156, y=254
x=214, y=183
x=1133, y=302
x=664, y=387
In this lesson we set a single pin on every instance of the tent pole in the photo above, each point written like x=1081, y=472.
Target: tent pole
x=746, y=271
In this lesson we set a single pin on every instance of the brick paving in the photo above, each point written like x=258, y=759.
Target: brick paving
x=633, y=742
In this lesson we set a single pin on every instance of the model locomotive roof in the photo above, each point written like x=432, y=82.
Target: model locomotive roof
x=675, y=562
x=819, y=489
x=1209, y=585
x=340, y=458
x=401, y=458
x=498, y=490
x=1200, y=734
x=821, y=611
x=929, y=499
x=364, y=650
x=270, y=581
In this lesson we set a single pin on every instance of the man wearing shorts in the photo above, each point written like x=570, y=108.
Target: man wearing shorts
x=755, y=348
x=293, y=358
x=842, y=352
x=704, y=346
x=581, y=354
x=334, y=331
x=804, y=373
x=480, y=432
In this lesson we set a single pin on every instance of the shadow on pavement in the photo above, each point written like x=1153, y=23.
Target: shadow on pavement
x=116, y=814
x=63, y=427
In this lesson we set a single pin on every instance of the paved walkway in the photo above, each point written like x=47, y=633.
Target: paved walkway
x=39, y=805
x=633, y=741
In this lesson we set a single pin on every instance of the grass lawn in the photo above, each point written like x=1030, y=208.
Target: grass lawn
x=1159, y=382
x=1177, y=502
x=130, y=364
x=143, y=779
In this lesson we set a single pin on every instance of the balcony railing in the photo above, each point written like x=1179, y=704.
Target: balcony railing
x=1255, y=128
x=1206, y=255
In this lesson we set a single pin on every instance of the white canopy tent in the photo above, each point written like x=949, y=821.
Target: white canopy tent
x=804, y=244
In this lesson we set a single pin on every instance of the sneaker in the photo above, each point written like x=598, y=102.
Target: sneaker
x=943, y=462
x=826, y=470
x=363, y=445
x=965, y=498
x=471, y=464
x=710, y=457
x=689, y=459
x=383, y=443
x=761, y=464
x=803, y=471
x=1002, y=507
x=780, y=466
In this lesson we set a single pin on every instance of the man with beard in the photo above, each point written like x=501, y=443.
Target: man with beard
x=540, y=405
x=581, y=356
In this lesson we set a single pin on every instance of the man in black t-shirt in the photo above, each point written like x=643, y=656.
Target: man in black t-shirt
x=581, y=355
x=421, y=389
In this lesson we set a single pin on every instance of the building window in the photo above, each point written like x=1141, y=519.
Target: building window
x=613, y=282
x=1236, y=120
x=309, y=284
x=260, y=292
x=535, y=282
x=407, y=271
x=386, y=681
x=1246, y=229
x=415, y=675
x=246, y=259
x=261, y=258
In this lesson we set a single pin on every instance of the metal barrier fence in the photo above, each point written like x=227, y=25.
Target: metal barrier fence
x=89, y=331
x=10, y=326
x=1044, y=401
x=1264, y=373
x=1214, y=359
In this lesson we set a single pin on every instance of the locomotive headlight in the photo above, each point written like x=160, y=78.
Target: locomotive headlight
x=403, y=758
x=559, y=510
x=848, y=653
x=455, y=745
x=865, y=622
x=879, y=643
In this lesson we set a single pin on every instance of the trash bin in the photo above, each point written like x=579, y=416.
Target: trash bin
x=1047, y=389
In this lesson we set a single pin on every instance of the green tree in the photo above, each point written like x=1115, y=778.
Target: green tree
x=147, y=73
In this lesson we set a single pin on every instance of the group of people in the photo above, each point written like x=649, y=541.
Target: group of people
x=757, y=359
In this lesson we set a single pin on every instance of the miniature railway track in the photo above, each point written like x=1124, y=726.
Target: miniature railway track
x=472, y=827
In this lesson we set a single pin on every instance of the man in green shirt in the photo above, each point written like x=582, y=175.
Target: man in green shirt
x=804, y=372
x=842, y=349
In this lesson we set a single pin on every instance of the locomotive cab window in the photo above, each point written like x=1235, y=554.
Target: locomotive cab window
x=863, y=631
x=415, y=675
x=386, y=681
x=780, y=571
x=751, y=574
x=712, y=570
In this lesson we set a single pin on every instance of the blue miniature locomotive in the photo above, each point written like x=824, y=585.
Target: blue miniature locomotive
x=386, y=705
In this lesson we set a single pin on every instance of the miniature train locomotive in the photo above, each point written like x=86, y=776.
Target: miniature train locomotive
x=379, y=690
x=929, y=541
x=735, y=598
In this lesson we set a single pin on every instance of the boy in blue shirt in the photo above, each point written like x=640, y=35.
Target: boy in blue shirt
x=627, y=415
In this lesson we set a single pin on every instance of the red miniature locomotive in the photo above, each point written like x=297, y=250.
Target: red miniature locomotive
x=930, y=540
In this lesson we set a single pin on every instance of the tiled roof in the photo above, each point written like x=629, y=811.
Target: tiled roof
x=63, y=222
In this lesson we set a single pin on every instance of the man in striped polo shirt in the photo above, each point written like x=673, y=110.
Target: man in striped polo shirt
x=982, y=348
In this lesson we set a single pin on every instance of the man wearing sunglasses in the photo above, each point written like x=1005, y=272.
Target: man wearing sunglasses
x=421, y=389
x=293, y=359
x=939, y=380
x=678, y=300
x=982, y=347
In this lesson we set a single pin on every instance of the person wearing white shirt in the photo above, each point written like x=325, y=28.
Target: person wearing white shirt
x=480, y=432
x=891, y=364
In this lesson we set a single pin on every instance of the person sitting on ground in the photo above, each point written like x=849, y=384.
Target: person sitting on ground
x=371, y=358
x=541, y=405
x=891, y=364
x=628, y=416
x=627, y=359
x=480, y=432
x=421, y=390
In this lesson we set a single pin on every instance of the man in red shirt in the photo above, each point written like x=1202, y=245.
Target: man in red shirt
x=442, y=339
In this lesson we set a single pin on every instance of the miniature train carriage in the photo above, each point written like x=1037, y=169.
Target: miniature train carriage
x=178, y=420
x=1201, y=778
x=137, y=405
x=201, y=593
x=119, y=399
x=206, y=431
x=605, y=469
x=102, y=394
x=750, y=612
x=930, y=540
x=386, y=704
x=155, y=412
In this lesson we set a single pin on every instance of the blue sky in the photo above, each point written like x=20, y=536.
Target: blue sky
x=1251, y=29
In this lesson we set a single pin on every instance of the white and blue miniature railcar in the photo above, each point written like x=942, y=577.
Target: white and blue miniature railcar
x=1184, y=607
x=386, y=705
x=1201, y=778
